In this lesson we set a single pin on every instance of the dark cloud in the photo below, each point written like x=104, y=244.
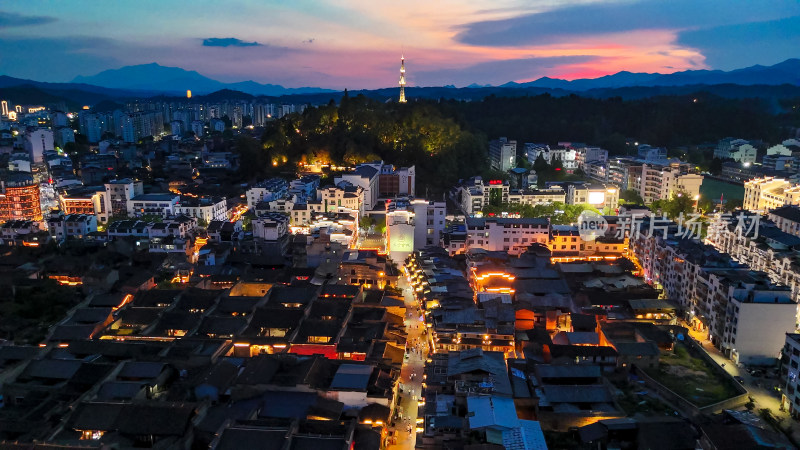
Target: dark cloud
x=495, y=72
x=228, y=42
x=9, y=19
x=580, y=21
x=767, y=42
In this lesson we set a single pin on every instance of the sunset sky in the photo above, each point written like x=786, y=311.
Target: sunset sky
x=357, y=43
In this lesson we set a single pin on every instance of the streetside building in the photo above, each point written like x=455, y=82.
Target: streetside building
x=509, y=235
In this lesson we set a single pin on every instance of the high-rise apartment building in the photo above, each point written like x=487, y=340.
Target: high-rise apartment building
x=503, y=154
x=19, y=198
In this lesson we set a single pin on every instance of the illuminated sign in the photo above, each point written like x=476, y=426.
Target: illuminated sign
x=597, y=198
x=495, y=181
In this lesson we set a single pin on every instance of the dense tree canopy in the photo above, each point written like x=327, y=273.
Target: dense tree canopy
x=559, y=213
x=448, y=140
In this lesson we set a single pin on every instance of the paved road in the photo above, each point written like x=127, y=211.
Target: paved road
x=414, y=365
x=759, y=388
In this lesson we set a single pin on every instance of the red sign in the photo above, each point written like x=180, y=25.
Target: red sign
x=558, y=168
x=495, y=181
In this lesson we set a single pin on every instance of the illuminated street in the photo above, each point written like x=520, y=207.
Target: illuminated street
x=414, y=366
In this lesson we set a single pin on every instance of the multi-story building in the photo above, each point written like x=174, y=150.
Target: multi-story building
x=265, y=191
x=510, y=235
x=412, y=224
x=475, y=194
x=594, y=155
x=624, y=173
x=37, y=142
x=271, y=226
x=367, y=176
x=596, y=170
x=71, y=226
x=82, y=200
x=650, y=153
x=344, y=195
x=203, y=208
x=738, y=150
x=662, y=181
x=19, y=198
x=117, y=195
x=787, y=219
x=743, y=311
x=532, y=152
x=503, y=154
x=396, y=182
x=768, y=193
x=535, y=197
x=567, y=155
x=600, y=196
x=15, y=232
x=164, y=205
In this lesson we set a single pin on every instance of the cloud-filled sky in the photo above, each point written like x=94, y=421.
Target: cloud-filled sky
x=357, y=43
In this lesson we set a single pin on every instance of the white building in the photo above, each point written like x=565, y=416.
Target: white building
x=71, y=226
x=567, y=156
x=503, y=154
x=271, y=227
x=164, y=205
x=366, y=176
x=344, y=195
x=662, y=181
x=510, y=235
x=266, y=191
x=532, y=152
x=650, y=153
x=37, y=142
x=739, y=150
x=12, y=230
x=758, y=318
x=597, y=195
x=117, y=195
x=767, y=193
x=204, y=208
x=413, y=224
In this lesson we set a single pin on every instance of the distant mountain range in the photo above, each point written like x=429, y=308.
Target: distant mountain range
x=787, y=72
x=112, y=87
x=174, y=80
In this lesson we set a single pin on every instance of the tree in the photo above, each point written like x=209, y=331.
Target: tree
x=631, y=196
x=732, y=205
x=680, y=204
x=365, y=222
x=540, y=165
x=715, y=167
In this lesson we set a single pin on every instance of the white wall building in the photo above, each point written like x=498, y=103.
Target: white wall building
x=510, y=235
x=37, y=142
x=164, y=205
x=204, y=208
x=767, y=193
x=366, y=176
x=413, y=224
x=271, y=227
x=503, y=154
x=265, y=191
x=71, y=226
